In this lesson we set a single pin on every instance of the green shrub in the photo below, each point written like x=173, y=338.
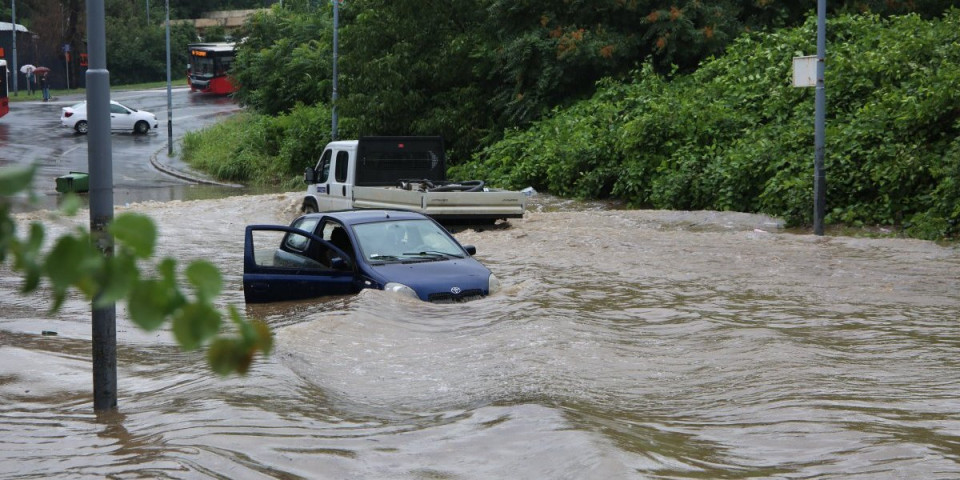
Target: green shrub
x=736, y=135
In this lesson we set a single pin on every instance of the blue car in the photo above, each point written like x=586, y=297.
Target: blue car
x=339, y=253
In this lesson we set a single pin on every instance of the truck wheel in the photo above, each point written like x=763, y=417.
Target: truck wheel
x=309, y=207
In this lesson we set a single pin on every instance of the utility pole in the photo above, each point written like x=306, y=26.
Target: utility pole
x=333, y=103
x=819, y=176
x=100, y=163
x=13, y=30
x=169, y=91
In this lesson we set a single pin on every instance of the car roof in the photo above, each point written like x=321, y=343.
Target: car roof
x=356, y=217
x=84, y=102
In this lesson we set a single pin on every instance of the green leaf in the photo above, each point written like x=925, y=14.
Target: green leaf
x=194, y=324
x=264, y=336
x=205, y=278
x=135, y=231
x=14, y=180
x=148, y=304
x=28, y=258
x=119, y=277
x=70, y=204
x=71, y=263
x=227, y=355
x=151, y=301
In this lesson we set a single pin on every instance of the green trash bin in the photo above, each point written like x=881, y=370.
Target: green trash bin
x=76, y=182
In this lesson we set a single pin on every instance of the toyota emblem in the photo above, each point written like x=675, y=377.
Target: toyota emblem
x=455, y=290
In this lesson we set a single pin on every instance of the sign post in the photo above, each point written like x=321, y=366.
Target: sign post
x=808, y=71
x=66, y=60
x=819, y=176
x=336, y=44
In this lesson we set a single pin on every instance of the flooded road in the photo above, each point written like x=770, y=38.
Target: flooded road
x=625, y=344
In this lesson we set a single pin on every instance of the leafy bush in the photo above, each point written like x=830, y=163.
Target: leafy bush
x=736, y=135
x=260, y=149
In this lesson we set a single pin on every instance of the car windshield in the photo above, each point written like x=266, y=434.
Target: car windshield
x=405, y=240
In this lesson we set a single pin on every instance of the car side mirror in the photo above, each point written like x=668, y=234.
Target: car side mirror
x=472, y=250
x=310, y=176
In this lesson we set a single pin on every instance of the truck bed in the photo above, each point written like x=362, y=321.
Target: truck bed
x=444, y=206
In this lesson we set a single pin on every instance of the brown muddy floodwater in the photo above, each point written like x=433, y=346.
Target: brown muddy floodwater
x=625, y=344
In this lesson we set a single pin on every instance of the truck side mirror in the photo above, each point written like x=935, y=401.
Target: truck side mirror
x=310, y=176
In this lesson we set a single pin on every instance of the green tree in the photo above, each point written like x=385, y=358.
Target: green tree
x=138, y=55
x=285, y=60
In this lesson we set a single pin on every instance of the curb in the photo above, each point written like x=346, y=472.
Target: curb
x=174, y=172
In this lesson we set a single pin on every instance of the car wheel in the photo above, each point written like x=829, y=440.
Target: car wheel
x=141, y=127
x=309, y=207
x=81, y=127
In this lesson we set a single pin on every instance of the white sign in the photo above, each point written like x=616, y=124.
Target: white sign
x=805, y=71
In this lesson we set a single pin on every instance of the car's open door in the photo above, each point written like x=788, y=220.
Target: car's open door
x=273, y=274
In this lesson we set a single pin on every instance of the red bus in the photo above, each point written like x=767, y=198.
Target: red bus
x=209, y=67
x=4, y=101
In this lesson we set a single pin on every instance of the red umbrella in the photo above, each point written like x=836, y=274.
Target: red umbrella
x=41, y=70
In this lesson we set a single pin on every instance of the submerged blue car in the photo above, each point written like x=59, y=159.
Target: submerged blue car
x=339, y=253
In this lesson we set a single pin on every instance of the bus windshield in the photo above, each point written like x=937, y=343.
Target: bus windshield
x=209, y=68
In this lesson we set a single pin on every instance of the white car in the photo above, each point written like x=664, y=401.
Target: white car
x=122, y=118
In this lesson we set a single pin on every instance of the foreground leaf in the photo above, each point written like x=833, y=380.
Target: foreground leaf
x=135, y=231
x=194, y=324
x=205, y=278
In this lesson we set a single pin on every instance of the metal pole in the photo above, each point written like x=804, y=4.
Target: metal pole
x=819, y=176
x=148, y=10
x=100, y=163
x=336, y=45
x=169, y=91
x=66, y=61
x=13, y=29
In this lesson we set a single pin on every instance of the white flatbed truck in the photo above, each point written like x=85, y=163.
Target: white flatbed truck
x=406, y=173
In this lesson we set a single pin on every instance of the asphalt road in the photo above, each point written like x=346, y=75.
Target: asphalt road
x=142, y=170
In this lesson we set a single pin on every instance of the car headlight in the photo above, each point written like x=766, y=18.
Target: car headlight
x=401, y=289
x=493, y=284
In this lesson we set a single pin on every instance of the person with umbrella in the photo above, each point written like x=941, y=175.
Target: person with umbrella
x=44, y=83
x=28, y=69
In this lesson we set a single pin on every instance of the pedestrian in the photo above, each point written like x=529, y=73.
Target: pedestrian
x=30, y=82
x=45, y=86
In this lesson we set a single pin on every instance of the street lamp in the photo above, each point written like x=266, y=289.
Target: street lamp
x=333, y=103
x=169, y=92
x=13, y=31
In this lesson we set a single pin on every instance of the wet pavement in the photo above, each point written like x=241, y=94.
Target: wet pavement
x=142, y=168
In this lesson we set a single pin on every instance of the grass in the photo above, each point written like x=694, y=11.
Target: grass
x=37, y=95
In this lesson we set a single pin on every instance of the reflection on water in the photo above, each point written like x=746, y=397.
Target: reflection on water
x=625, y=344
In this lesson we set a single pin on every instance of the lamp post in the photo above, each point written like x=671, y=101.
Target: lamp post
x=100, y=163
x=13, y=30
x=169, y=92
x=333, y=103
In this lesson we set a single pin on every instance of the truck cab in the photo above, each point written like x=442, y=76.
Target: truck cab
x=331, y=183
